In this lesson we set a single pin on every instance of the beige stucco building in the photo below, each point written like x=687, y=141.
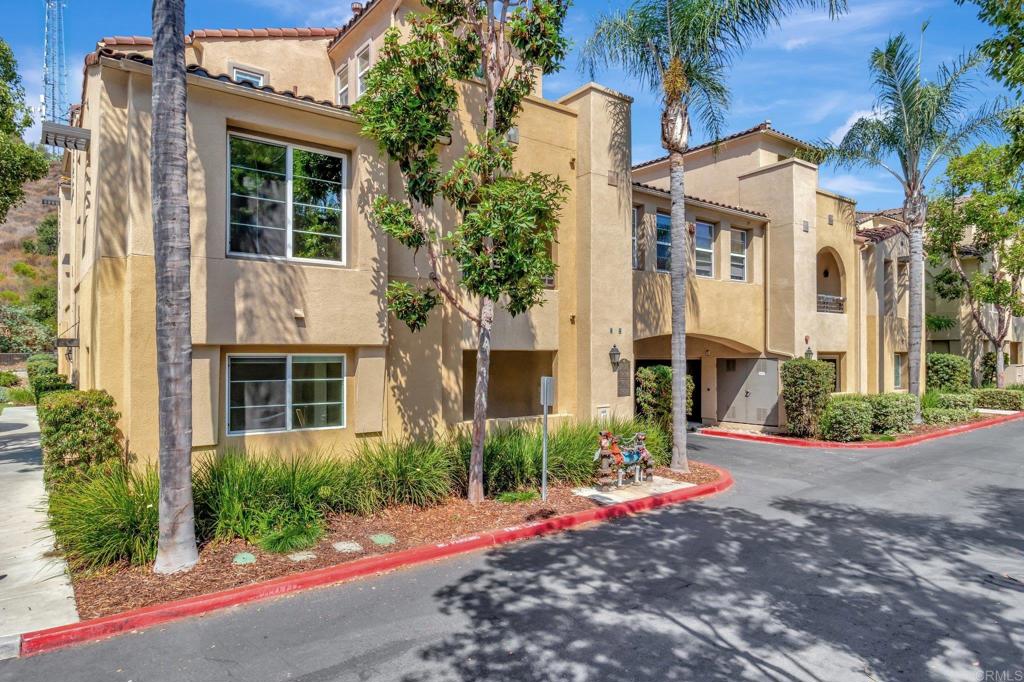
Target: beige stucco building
x=293, y=346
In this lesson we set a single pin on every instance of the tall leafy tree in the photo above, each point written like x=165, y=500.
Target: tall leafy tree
x=916, y=124
x=499, y=249
x=681, y=49
x=19, y=162
x=1005, y=52
x=177, y=549
x=976, y=235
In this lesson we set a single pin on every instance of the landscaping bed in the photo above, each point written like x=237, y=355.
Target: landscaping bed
x=915, y=432
x=121, y=587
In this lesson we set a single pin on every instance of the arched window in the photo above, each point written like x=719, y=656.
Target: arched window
x=831, y=293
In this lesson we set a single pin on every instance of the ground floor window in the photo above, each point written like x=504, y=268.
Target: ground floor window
x=897, y=370
x=285, y=392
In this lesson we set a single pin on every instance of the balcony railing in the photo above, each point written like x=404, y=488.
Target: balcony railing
x=831, y=304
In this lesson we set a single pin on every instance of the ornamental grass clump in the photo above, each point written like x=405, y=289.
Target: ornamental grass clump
x=422, y=473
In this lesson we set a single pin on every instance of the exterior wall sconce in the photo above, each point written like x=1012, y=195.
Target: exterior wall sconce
x=809, y=354
x=615, y=355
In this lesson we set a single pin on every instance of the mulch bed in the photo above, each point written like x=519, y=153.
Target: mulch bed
x=122, y=587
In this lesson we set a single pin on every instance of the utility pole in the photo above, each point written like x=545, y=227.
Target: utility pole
x=55, y=70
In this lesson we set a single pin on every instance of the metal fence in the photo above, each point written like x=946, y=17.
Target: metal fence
x=831, y=304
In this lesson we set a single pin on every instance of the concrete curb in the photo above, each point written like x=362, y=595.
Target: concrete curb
x=871, y=445
x=98, y=628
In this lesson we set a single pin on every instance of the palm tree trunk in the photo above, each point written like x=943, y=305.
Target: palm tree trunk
x=914, y=210
x=483, y=373
x=680, y=265
x=176, y=550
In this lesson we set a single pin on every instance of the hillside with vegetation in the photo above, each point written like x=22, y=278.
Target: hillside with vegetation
x=28, y=269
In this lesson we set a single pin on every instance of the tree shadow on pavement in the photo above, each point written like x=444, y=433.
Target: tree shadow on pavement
x=811, y=591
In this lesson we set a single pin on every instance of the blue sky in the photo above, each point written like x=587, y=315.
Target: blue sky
x=809, y=76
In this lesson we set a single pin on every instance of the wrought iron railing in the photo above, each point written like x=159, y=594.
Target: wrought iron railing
x=831, y=304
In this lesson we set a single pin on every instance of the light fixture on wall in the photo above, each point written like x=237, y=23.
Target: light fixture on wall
x=615, y=355
x=809, y=354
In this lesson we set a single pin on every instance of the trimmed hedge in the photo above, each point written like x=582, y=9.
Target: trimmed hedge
x=845, y=420
x=806, y=387
x=948, y=372
x=942, y=416
x=43, y=377
x=892, y=412
x=956, y=401
x=654, y=394
x=998, y=399
x=77, y=431
x=8, y=379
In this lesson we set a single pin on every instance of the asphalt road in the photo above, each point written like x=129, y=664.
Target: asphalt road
x=817, y=565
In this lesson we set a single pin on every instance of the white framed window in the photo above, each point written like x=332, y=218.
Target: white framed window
x=704, y=247
x=738, y=255
x=663, y=241
x=247, y=76
x=637, y=217
x=342, y=80
x=285, y=201
x=362, y=67
x=897, y=370
x=276, y=392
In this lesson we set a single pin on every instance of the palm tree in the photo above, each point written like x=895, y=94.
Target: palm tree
x=915, y=124
x=681, y=49
x=177, y=546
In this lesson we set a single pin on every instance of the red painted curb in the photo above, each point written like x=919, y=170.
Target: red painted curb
x=97, y=628
x=913, y=440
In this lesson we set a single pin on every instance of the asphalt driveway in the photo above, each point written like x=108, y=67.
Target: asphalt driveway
x=818, y=565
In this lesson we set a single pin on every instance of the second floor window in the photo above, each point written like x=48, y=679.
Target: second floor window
x=343, y=86
x=285, y=201
x=362, y=68
x=704, y=246
x=663, y=242
x=244, y=76
x=738, y=256
x=636, y=230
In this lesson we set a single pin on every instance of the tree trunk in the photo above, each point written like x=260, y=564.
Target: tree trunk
x=680, y=265
x=914, y=210
x=1000, y=365
x=176, y=550
x=483, y=374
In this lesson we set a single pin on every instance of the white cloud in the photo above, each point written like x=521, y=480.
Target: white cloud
x=837, y=135
x=815, y=27
x=852, y=185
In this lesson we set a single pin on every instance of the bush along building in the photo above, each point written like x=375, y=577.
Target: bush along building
x=293, y=344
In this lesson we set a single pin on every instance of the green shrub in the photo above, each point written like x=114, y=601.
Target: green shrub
x=948, y=373
x=892, y=412
x=956, y=401
x=654, y=394
x=942, y=416
x=109, y=517
x=518, y=496
x=21, y=396
x=409, y=472
x=988, y=367
x=78, y=430
x=8, y=379
x=806, y=386
x=1015, y=387
x=845, y=420
x=50, y=383
x=998, y=399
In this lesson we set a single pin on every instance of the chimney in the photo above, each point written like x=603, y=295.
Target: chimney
x=357, y=9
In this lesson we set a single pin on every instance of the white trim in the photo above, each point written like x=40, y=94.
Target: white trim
x=348, y=85
x=697, y=249
x=289, y=210
x=637, y=222
x=289, y=360
x=897, y=373
x=249, y=74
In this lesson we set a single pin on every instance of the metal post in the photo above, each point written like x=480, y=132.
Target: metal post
x=544, y=460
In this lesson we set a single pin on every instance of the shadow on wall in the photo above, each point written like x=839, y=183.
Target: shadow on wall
x=811, y=591
x=652, y=302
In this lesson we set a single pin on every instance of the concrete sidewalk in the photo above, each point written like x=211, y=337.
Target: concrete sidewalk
x=35, y=592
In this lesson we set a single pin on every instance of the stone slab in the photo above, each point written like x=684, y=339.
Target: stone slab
x=631, y=491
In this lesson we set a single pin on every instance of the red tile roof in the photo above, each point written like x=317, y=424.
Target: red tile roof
x=891, y=213
x=658, y=190
x=880, y=234
x=195, y=69
x=297, y=32
x=352, y=20
x=764, y=125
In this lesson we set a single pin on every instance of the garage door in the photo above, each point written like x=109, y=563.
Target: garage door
x=748, y=391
